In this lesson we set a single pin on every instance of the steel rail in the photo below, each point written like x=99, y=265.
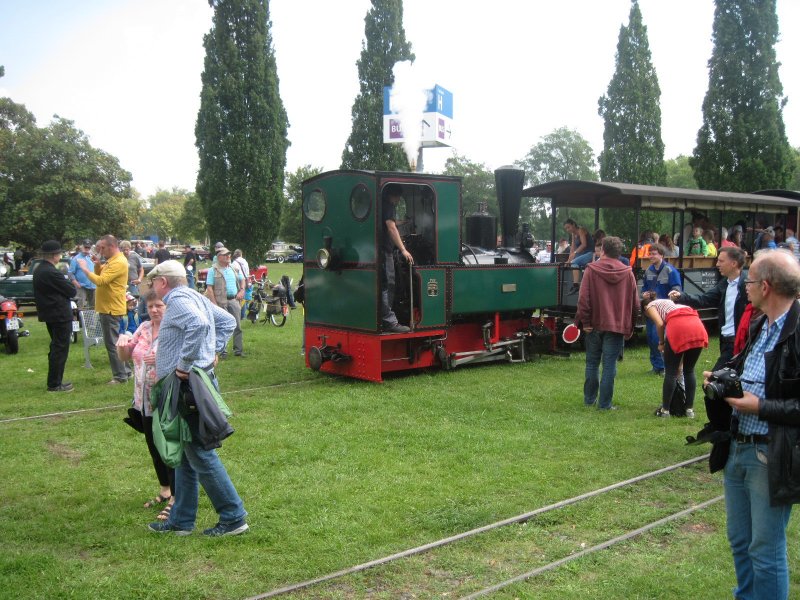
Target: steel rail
x=472, y=532
x=116, y=406
x=597, y=547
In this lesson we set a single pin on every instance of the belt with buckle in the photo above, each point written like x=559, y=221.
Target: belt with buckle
x=753, y=438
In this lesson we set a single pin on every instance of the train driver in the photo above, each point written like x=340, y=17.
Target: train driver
x=392, y=196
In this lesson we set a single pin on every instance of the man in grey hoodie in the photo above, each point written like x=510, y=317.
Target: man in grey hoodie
x=608, y=306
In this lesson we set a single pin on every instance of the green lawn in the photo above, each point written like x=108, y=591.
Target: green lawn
x=337, y=472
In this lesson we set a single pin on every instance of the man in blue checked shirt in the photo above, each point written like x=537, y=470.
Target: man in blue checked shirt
x=192, y=332
x=761, y=481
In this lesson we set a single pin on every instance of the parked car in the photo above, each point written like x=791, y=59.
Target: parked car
x=281, y=251
x=202, y=252
x=297, y=257
x=20, y=287
x=148, y=264
x=175, y=252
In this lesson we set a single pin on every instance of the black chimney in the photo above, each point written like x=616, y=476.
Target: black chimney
x=508, y=182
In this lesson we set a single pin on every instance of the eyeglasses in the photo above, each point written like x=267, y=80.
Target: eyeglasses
x=746, y=281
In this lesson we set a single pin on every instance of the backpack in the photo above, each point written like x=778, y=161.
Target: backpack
x=677, y=406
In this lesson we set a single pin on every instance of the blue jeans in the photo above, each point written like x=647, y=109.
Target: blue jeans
x=756, y=530
x=203, y=467
x=652, y=340
x=190, y=279
x=601, y=346
x=583, y=259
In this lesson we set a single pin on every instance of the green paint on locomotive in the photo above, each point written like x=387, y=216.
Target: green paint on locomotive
x=348, y=298
x=503, y=288
x=432, y=285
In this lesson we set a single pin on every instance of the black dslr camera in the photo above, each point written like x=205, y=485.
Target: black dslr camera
x=724, y=383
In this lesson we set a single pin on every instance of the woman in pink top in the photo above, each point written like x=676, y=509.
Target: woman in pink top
x=141, y=347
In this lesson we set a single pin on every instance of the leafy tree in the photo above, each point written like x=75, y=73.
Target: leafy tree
x=55, y=185
x=742, y=143
x=477, y=185
x=241, y=128
x=562, y=154
x=191, y=225
x=633, y=151
x=292, y=214
x=166, y=209
x=795, y=183
x=385, y=45
x=680, y=173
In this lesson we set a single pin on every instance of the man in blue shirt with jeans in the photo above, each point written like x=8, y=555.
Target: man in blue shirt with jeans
x=761, y=481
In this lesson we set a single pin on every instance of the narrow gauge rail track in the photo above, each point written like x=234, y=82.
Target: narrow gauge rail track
x=511, y=521
x=595, y=548
x=68, y=413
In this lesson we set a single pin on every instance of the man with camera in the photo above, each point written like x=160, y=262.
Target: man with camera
x=760, y=482
x=728, y=296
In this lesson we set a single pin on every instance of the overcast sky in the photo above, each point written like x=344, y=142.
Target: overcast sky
x=128, y=72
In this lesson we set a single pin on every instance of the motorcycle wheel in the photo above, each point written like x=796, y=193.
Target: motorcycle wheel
x=12, y=342
x=278, y=320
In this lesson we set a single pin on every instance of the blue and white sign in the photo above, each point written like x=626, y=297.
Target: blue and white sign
x=435, y=120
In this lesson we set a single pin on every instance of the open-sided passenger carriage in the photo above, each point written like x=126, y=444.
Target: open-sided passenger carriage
x=723, y=209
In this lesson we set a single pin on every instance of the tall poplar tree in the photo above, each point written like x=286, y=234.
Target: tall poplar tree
x=742, y=145
x=633, y=151
x=384, y=46
x=241, y=128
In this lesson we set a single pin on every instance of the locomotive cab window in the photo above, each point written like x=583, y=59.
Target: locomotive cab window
x=415, y=215
x=315, y=205
x=360, y=202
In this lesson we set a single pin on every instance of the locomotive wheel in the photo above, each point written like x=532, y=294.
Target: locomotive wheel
x=278, y=320
x=12, y=342
x=443, y=357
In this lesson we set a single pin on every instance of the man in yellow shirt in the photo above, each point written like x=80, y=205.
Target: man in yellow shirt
x=111, y=279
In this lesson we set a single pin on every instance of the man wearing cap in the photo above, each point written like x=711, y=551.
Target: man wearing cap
x=85, y=294
x=52, y=292
x=111, y=279
x=225, y=288
x=192, y=331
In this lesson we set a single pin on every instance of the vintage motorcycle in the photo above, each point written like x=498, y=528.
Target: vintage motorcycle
x=10, y=325
x=275, y=306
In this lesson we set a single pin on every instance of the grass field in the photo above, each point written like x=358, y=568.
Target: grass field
x=337, y=472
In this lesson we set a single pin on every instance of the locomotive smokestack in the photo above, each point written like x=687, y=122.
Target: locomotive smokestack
x=508, y=183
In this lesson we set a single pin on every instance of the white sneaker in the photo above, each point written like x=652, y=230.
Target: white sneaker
x=690, y=413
